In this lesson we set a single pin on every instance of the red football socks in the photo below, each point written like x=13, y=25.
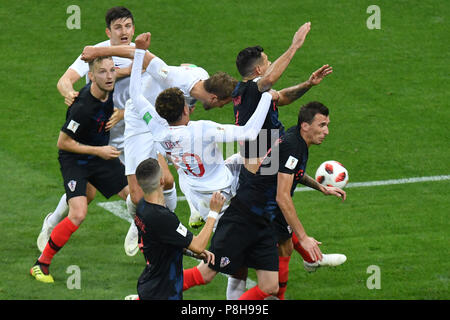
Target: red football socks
x=58, y=238
x=254, y=293
x=192, y=277
x=283, y=274
x=300, y=249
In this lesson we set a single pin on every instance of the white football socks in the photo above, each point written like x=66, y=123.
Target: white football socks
x=235, y=288
x=61, y=211
x=131, y=207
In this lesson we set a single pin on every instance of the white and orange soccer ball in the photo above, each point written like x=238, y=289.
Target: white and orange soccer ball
x=332, y=173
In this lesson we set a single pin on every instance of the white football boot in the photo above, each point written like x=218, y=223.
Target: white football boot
x=328, y=260
x=131, y=241
x=46, y=231
x=132, y=297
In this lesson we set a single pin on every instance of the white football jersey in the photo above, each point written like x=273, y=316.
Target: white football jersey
x=193, y=147
x=121, y=91
x=161, y=77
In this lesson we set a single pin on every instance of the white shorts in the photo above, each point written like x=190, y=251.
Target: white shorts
x=139, y=148
x=199, y=200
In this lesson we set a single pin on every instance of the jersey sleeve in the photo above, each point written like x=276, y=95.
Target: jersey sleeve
x=230, y=132
x=76, y=122
x=182, y=77
x=145, y=109
x=171, y=231
x=288, y=158
x=80, y=66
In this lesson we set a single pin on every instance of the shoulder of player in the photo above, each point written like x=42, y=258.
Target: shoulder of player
x=291, y=141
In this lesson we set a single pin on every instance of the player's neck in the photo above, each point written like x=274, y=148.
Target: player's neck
x=198, y=91
x=98, y=93
x=156, y=197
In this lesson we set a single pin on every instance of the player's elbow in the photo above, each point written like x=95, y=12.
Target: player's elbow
x=281, y=199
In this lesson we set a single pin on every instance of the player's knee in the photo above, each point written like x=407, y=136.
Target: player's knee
x=269, y=288
x=136, y=193
x=77, y=213
x=285, y=248
x=207, y=273
x=168, y=181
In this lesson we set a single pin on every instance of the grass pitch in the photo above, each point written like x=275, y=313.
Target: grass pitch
x=388, y=98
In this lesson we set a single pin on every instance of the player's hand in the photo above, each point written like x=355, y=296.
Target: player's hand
x=318, y=75
x=300, y=35
x=335, y=191
x=115, y=118
x=70, y=97
x=108, y=152
x=311, y=246
x=207, y=257
x=142, y=41
x=275, y=95
x=89, y=53
x=217, y=201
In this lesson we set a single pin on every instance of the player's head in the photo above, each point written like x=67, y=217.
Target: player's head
x=170, y=105
x=252, y=62
x=102, y=73
x=219, y=88
x=119, y=26
x=148, y=175
x=313, y=121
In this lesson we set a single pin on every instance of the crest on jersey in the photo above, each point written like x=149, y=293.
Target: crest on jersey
x=224, y=261
x=72, y=185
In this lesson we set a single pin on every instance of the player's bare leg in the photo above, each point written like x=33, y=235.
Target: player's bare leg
x=267, y=286
x=55, y=217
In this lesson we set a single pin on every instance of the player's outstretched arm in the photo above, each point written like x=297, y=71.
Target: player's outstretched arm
x=277, y=68
x=142, y=105
x=200, y=241
x=312, y=183
x=124, y=51
x=289, y=95
x=284, y=201
x=250, y=131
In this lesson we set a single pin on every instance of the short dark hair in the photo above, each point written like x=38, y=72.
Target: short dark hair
x=246, y=59
x=309, y=111
x=148, y=174
x=221, y=84
x=117, y=13
x=170, y=104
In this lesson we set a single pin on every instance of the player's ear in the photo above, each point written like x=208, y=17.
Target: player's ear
x=91, y=76
x=108, y=32
x=305, y=126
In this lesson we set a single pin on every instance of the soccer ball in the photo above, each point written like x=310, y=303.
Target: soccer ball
x=332, y=173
